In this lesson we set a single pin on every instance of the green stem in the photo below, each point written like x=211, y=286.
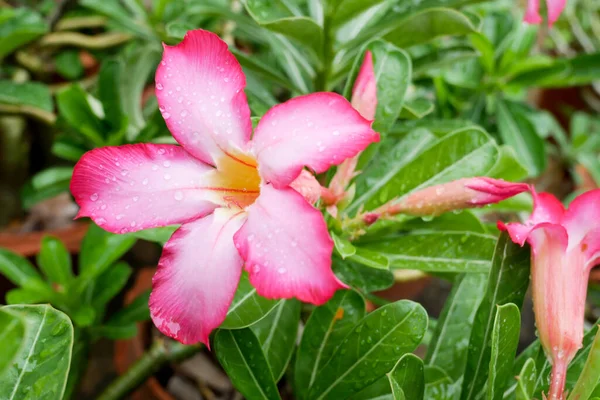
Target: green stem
x=590, y=376
x=100, y=41
x=159, y=354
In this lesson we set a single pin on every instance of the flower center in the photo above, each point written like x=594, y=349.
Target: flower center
x=237, y=179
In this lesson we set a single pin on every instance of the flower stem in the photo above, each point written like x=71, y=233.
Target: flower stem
x=590, y=376
x=161, y=353
x=557, y=380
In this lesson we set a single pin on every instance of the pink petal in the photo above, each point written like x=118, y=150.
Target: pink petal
x=583, y=218
x=546, y=209
x=200, y=91
x=287, y=248
x=489, y=190
x=196, y=279
x=532, y=15
x=555, y=8
x=364, y=92
x=307, y=185
x=316, y=130
x=133, y=187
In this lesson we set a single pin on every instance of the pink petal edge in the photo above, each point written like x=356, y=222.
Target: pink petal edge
x=200, y=91
x=364, y=92
x=287, y=248
x=196, y=279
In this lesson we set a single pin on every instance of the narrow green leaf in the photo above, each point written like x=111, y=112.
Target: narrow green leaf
x=17, y=269
x=135, y=311
x=55, y=261
x=562, y=72
x=371, y=349
x=372, y=259
x=507, y=283
x=449, y=345
x=247, y=306
x=324, y=331
x=40, y=368
x=74, y=108
x=590, y=376
x=32, y=94
x=100, y=249
x=379, y=390
x=263, y=70
x=110, y=283
x=505, y=339
x=526, y=381
x=109, y=80
x=242, y=357
x=343, y=247
x=277, y=334
x=408, y=375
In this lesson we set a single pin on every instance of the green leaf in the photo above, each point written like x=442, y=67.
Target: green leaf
x=159, y=235
x=372, y=259
x=342, y=246
x=408, y=376
x=449, y=345
x=119, y=16
x=116, y=332
x=590, y=376
x=362, y=278
x=74, y=108
x=19, y=26
x=437, y=251
x=436, y=60
x=12, y=330
x=110, y=283
x=33, y=94
x=526, y=381
x=18, y=270
x=518, y=132
x=505, y=339
x=68, y=64
x=109, y=79
x=392, y=68
x=508, y=166
x=67, y=148
x=562, y=72
x=416, y=109
x=55, y=261
x=324, y=331
x=371, y=349
x=346, y=10
x=277, y=335
x=247, y=306
x=507, y=283
x=380, y=390
x=40, y=367
x=242, y=358
x=100, y=249
x=263, y=70
x=277, y=17
x=424, y=162
x=438, y=386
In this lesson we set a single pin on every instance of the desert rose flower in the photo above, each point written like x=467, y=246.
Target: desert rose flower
x=238, y=198
x=555, y=8
x=565, y=246
x=445, y=197
x=364, y=100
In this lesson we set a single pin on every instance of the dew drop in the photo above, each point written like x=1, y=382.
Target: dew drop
x=132, y=224
x=178, y=195
x=161, y=151
x=124, y=172
x=94, y=197
x=166, y=164
x=167, y=177
x=135, y=198
x=154, y=167
x=183, y=113
x=219, y=113
x=294, y=243
x=282, y=271
x=145, y=181
x=336, y=133
x=119, y=217
x=166, y=115
x=159, y=86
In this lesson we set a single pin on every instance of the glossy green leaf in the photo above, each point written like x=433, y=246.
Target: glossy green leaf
x=438, y=386
x=324, y=331
x=242, y=357
x=19, y=26
x=371, y=349
x=247, y=306
x=32, y=94
x=408, y=375
x=361, y=277
x=417, y=108
x=392, y=68
x=507, y=283
x=277, y=17
x=424, y=162
x=508, y=166
x=505, y=339
x=277, y=334
x=372, y=259
x=119, y=16
x=342, y=246
x=40, y=367
x=590, y=375
x=433, y=62
x=12, y=330
x=345, y=10
x=518, y=132
x=526, y=381
x=379, y=390
x=449, y=345
x=55, y=261
x=67, y=148
x=159, y=235
x=74, y=107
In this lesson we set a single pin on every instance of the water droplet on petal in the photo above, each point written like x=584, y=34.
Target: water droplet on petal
x=167, y=177
x=167, y=164
x=335, y=133
x=183, y=113
x=119, y=217
x=145, y=181
x=159, y=86
x=135, y=198
x=294, y=243
x=94, y=197
x=281, y=271
x=178, y=195
x=161, y=151
x=166, y=115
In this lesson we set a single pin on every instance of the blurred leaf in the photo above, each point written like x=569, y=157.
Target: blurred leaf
x=392, y=68
x=449, y=345
x=40, y=367
x=504, y=342
x=32, y=94
x=323, y=333
x=580, y=70
x=46, y=184
x=526, y=381
x=362, y=278
x=416, y=109
x=109, y=81
x=74, y=108
x=159, y=235
x=247, y=306
x=263, y=70
x=371, y=349
x=55, y=261
x=408, y=378
x=68, y=64
x=67, y=148
x=345, y=10
x=277, y=334
x=19, y=26
x=18, y=270
x=518, y=132
x=424, y=162
x=119, y=16
x=83, y=316
x=116, y=332
x=520, y=42
x=100, y=249
x=508, y=166
x=242, y=358
x=437, y=251
x=135, y=311
x=110, y=283
x=433, y=61
x=507, y=283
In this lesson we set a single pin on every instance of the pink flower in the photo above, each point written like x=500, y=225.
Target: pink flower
x=555, y=8
x=445, y=197
x=565, y=246
x=364, y=100
x=235, y=197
